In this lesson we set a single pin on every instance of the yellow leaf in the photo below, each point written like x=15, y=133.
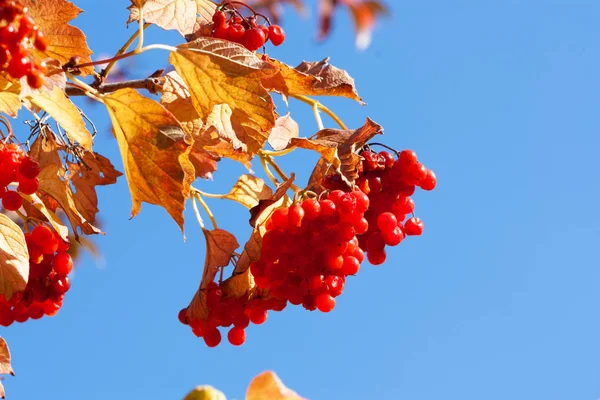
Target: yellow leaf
x=268, y=386
x=53, y=184
x=249, y=190
x=205, y=393
x=14, y=258
x=220, y=246
x=9, y=96
x=285, y=129
x=220, y=72
x=312, y=79
x=64, y=41
x=176, y=98
x=155, y=154
x=58, y=105
x=179, y=15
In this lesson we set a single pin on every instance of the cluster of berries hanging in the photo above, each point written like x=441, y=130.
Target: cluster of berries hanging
x=230, y=25
x=310, y=248
x=18, y=35
x=49, y=266
x=16, y=166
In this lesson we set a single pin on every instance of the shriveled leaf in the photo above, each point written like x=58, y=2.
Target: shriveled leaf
x=179, y=15
x=5, y=366
x=10, y=103
x=252, y=251
x=93, y=170
x=155, y=154
x=203, y=25
x=268, y=386
x=220, y=246
x=58, y=105
x=14, y=258
x=45, y=149
x=239, y=285
x=285, y=130
x=36, y=203
x=264, y=208
x=249, y=190
x=220, y=72
x=56, y=186
x=205, y=393
x=56, y=77
x=346, y=143
x=64, y=41
x=312, y=79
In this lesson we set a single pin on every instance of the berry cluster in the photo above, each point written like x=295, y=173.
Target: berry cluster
x=389, y=183
x=18, y=35
x=49, y=266
x=227, y=311
x=16, y=166
x=230, y=25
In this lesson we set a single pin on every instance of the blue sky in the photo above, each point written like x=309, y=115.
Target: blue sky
x=497, y=300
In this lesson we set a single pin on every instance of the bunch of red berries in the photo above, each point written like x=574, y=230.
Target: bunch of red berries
x=389, y=183
x=230, y=25
x=18, y=35
x=310, y=249
x=49, y=266
x=227, y=311
x=16, y=166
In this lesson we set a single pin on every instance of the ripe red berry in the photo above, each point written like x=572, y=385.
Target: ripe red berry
x=60, y=284
x=386, y=222
x=62, y=263
x=258, y=316
x=221, y=31
x=351, y=265
x=375, y=242
x=29, y=168
x=325, y=302
x=407, y=157
x=376, y=257
x=18, y=67
x=236, y=336
x=312, y=209
x=295, y=215
x=41, y=235
x=212, y=338
x=254, y=39
x=429, y=182
x=393, y=237
x=413, y=227
x=182, y=316
x=276, y=35
x=235, y=32
x=28, y=186
x=12, y=201
x=280, y=218
x=219, y=18
x=35, y=78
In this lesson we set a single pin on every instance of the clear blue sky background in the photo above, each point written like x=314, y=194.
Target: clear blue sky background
x=498, y=300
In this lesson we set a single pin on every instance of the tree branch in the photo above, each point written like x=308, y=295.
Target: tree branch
x=150, y=84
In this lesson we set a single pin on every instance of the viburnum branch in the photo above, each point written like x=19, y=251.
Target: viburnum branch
x=197, y=212
x=89, y=91
x=207, y=210
x=150, y=84
x=313, y=103
x=122, y=51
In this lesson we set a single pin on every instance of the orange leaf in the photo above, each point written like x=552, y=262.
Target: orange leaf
x=219, y=72
x=285, y=130
x=64, y=41
x=14, y=258
x=154, y=152
x=179, y=15
x=268, y=386
x=312, y=79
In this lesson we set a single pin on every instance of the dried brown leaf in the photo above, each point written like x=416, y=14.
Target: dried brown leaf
x=264, y=208
x=268, y=386
x=10, y=104
x=14, y=258
x=219, y=72
x=285, y=130
x=249, y=190
x=155, y=154
x=312, y=79
x=45, y=149
x=58, y=105
x=64, y=41
x=239, y=285
x=252, y=250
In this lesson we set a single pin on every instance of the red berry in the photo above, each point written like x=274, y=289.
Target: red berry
x=254, y=39
x=28, y=186
x=12, y=201
x=312, y=209
x=407, y=157
x=235, y=32
x=29, y=168
x=351, y=265
x=219, y=18
x=258, y=316
x=376, y=257
x=182, y=316
x=429, y=182
x=41, y=235
x=35, y=78
x=295, y=215
x=386, y=222
x=60, y=284
x=280, y=218
x=413, y=227
x=212, y=338
x=62, y=263
x=325, y=302
x=393, y=237
x=375, y=242
x=221, y=31
x=276, y=35
x=18, y=67
x=236, y=336
x=328, y=208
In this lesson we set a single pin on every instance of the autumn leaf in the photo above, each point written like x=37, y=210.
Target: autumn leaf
x=154, y=152
x=252, y=251
x=33, y=202
x=58, y=105
x=179, y=15
x=312, y=79
x=14, y=258
x=54, y=184
x=346, y=143
x=203, y=24
x=10, y=104
x=249, y=190
x=285, y=130
x=45, y=149
x=205, y=393
x=64, y=41
x=219, y=72
x=264, y=208
x=92, y=170
x=5, y=366
x=175, y=97
x=268, y=386
x=220, y=246
x=239, y=285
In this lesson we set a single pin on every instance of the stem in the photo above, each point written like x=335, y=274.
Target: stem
x=140, y=29
x=207, y=209
x=278, y=153
x=128, y=54
x=89, y=91
x=315, y=108
x=313, y=102
x=265, y=166
x=150, y=84
x=122, y=51
x=211, y=195
x=280, y=172
x=198, y=217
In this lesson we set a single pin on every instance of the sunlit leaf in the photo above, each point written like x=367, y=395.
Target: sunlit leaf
x=14, y=258
x=179, y=15
x=285, y=130
x=249, y=190
x=9, y=96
